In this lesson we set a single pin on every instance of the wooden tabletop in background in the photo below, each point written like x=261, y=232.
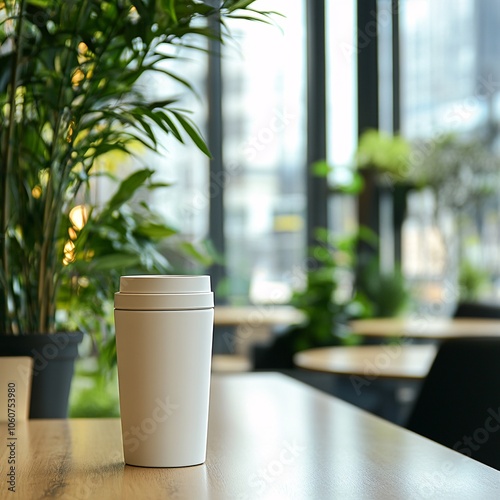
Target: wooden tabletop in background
x=269, y=437
x=426, y=327
x=256, y=316
x=398, y=361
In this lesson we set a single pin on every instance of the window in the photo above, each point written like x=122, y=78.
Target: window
x=450, y=84
x=341, y=65
x=264, y=154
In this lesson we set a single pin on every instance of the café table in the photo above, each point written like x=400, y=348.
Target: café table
x=256, y=316
x=388, y=374
x=270, y=437
x=230, y=363
x=239, y=328
x=398, y=361
x=426, y=327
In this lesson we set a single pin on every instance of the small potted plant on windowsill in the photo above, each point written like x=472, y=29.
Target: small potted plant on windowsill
x=68, y=96
x=383, y=162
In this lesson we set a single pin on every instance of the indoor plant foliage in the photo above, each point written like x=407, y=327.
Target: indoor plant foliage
x=69, y=94
x=460, y=170
x=328, y=299
x=385, y=154
x=458, y=174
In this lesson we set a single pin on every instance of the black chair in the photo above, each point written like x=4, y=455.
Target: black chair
x=477, y=310
x=459, y=402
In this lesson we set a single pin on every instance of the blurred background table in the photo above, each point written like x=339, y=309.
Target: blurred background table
x=386, y=361
x=255, y=316
x=238, y=328
x=230, y=363
x=431, y=328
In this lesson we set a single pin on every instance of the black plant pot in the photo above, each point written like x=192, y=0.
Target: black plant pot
x=53, y=367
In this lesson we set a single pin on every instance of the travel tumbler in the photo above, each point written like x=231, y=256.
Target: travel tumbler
x=164, y=328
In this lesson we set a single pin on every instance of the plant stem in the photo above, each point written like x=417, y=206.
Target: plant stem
x=48, y=276
x=6, y=172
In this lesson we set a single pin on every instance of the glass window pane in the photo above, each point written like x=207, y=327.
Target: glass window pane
x=439, y=59
x=450, y=80
x=341, y=66
x=185, y=203
x=264, y=153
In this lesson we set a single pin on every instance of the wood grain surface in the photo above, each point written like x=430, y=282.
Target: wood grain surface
x=269, y=437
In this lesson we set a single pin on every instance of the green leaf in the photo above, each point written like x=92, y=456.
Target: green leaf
x=172, y=11
x=139, y=116
x=247, y=18
x=368, y=236
x=176, y=78
x=157, y=117
x=39, y=3
x=193, y=133
x=241, y=4
x=192, y=251
x=172, y=127
x=157, y=185
x=114, y=262
x=354, y=187
x=128, y=187
x=321, y=168
x=156, y=231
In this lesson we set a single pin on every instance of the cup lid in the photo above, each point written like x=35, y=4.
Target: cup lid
x=164, y=283
x=163, y=292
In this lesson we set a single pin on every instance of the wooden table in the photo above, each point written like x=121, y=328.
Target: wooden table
x=269, y=437
x=385, y=361
x=256, y=316
x=426, y=327
x=249, y=325
x=230, y=363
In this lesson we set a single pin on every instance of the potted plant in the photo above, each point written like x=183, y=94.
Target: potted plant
x=69, y=94
x=460, y=170
x=383, y=162
x=327, y=300
x=387, y=155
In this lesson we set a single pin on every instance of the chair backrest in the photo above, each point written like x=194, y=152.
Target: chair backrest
x=459, y=402
x=477, y=310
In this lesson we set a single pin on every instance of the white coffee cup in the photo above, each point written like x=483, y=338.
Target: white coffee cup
x=164, y=327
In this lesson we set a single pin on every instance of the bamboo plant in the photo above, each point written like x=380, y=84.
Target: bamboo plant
x=69, y=94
